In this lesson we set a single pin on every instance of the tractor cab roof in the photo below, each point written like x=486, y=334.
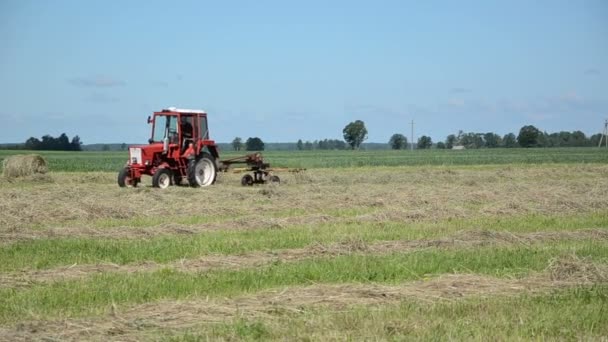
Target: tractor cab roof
x=183, y=111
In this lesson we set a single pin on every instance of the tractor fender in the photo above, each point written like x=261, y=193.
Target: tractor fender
x=163, y=165
x=214, y=151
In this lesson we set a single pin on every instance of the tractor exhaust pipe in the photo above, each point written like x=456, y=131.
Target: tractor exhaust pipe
x=165, y=145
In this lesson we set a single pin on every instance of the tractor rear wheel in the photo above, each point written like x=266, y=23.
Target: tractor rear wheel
x=202, y=171
x=125, y=180
x=162, y=178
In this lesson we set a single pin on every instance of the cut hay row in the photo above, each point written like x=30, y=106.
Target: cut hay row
x=408, y=195
x=136, y=322
x=463, y=239
x=166, y=229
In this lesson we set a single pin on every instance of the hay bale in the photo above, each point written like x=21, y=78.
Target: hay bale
x=23, y=165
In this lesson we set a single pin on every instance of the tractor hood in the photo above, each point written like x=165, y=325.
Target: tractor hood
x=143, y=154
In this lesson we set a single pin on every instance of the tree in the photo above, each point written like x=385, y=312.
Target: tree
x=440, y=145
x=237, y=144
x=450, y=141
x=544, y=140
x=63, y=142
x=254, y=144
x=300, y=145
x=594, y=140
x=509, y=140
x=578, y=139
x=34, y=144
x=308, y=146
x=50, y=143
x=398, y=142
x=471, y=140
x=355, y=133
x=528, y=136
x=76, y=144
x=424, y=142
x=491, y=140
x=123, y=146
x=105, y=147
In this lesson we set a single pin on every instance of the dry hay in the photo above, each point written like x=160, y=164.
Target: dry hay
x=23, y=165
x=12, y=234
x=575, y=268
x=378, y=195
x=464, y=239
x=132, y=323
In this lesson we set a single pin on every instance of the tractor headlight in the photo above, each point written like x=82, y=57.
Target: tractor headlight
x=147, y=162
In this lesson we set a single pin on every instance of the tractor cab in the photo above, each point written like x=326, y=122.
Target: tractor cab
x=179, y=126
x=179, y=148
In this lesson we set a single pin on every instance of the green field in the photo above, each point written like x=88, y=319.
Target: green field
x=391, y=245
x=113, y=161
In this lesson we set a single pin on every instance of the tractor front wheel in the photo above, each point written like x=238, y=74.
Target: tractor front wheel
x=202, y=171
x=161, y=178
x=125, y=180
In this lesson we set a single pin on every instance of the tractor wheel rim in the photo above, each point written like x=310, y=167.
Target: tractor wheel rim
x=204, y=172
x=164, y=181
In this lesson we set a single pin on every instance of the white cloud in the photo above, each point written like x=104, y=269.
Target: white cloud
x=592, y=71
x=99, y=81
x=460, y=90
x=456, y=102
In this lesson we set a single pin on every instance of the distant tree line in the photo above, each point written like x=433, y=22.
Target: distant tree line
x=355, y=133
x=252, y=144
x=50, y=143
x=325, y=144
x=529, y=136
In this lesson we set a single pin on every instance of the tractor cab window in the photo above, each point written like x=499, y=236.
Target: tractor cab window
x=204, y=129
x=165, y=126
x=186, y=127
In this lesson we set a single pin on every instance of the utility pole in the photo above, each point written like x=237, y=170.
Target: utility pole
x=412, y=143
x=604, y=135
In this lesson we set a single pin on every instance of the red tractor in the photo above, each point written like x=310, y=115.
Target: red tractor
x=179, y=149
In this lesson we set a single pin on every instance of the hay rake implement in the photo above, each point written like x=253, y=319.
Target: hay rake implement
x=261, y=172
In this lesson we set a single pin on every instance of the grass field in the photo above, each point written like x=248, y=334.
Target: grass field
x=482, y=245
x=113, y=161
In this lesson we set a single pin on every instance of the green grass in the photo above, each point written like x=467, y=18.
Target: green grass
x=578, y=313
x=46, y=253
x=113, y=161
x=94, y=295
x=570, y=314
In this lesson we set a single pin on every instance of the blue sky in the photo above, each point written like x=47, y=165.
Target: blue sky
x=284, y=70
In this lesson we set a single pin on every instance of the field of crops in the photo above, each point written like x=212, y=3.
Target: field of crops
x=392, y=245
x=113, y=161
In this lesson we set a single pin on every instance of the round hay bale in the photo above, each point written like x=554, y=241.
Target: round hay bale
x=23, y=165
